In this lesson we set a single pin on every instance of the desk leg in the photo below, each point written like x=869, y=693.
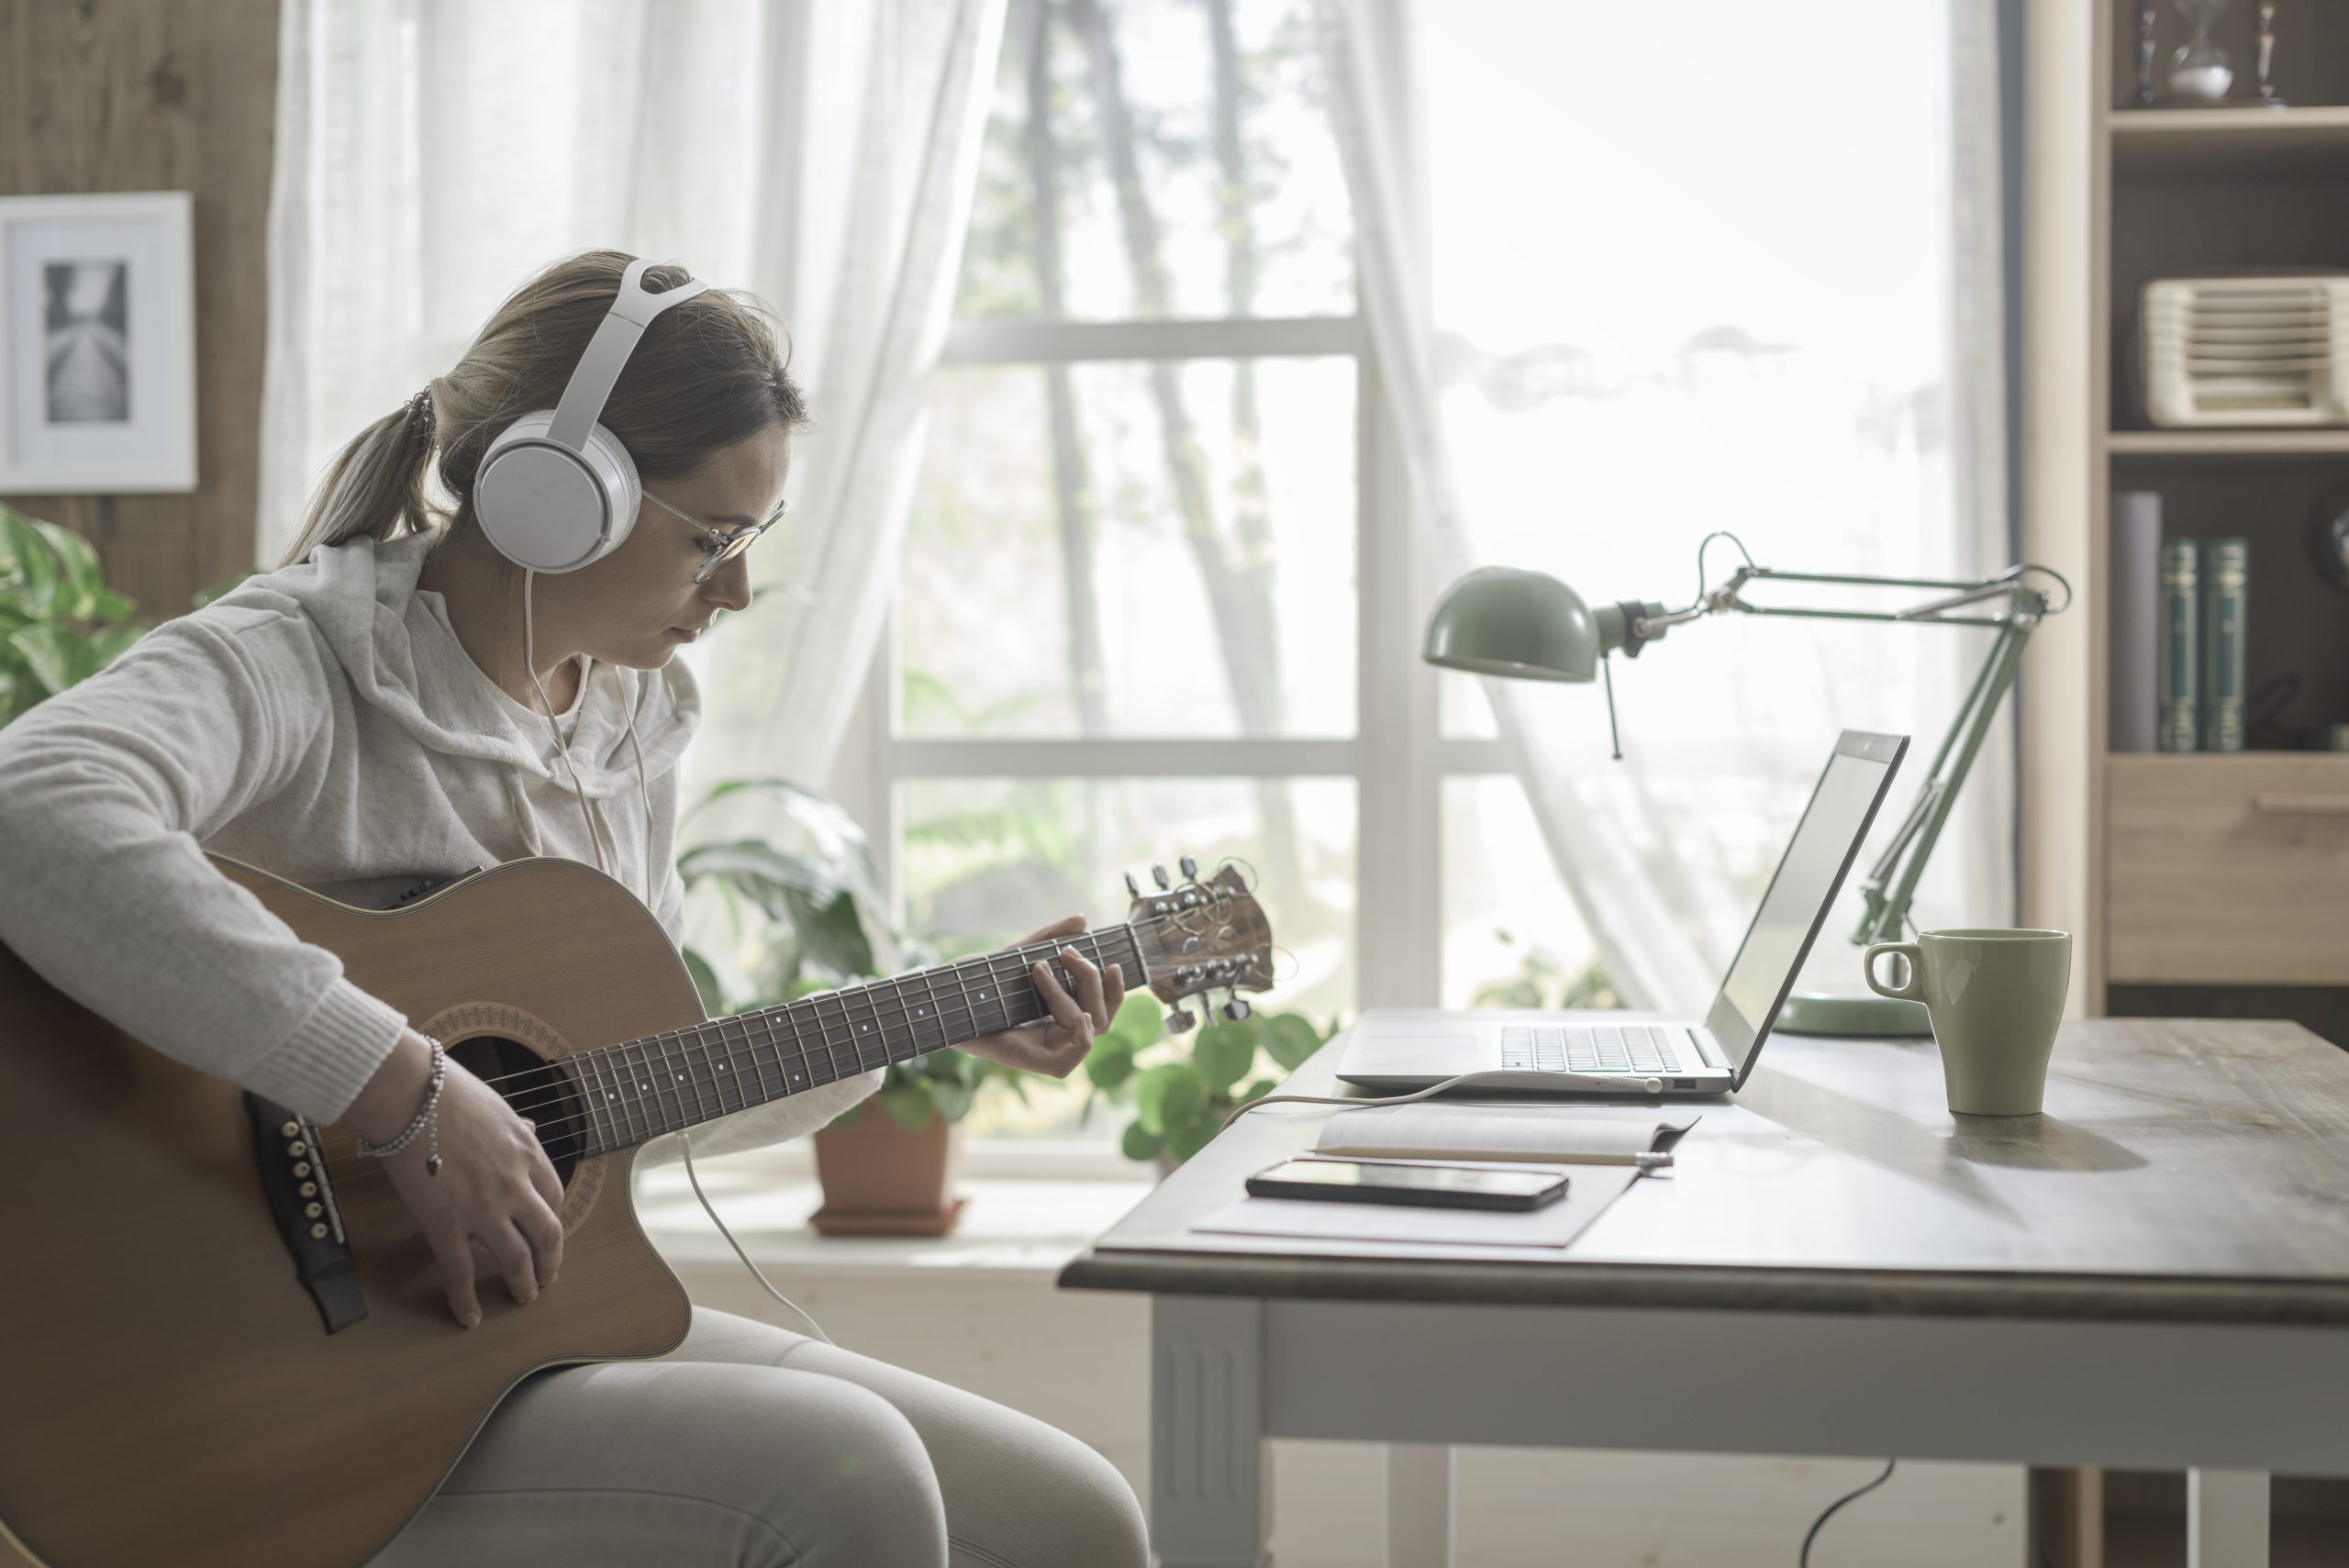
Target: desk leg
x=1210, y=1471
x=1419, y=1506
x=2226, y=1518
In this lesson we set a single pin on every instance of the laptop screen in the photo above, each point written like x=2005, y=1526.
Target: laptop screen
x=1801, y=892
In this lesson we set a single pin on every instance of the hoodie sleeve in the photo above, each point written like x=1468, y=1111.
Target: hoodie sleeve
x=110, y=788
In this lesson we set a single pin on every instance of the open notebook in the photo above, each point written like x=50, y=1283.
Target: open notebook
x=1596, y=1148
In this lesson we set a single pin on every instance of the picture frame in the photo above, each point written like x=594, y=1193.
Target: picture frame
x=98, y=344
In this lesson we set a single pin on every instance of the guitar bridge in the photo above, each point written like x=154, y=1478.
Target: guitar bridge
x=301, y=1200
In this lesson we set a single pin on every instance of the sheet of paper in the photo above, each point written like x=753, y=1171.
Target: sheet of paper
x=1498, y=1132
x=1592, y=1188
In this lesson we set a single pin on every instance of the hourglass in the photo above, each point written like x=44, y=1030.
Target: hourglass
x=2198, y=72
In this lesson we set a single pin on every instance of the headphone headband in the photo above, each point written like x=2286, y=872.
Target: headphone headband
x=632, y=311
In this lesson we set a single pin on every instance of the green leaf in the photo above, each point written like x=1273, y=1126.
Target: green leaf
x=1168, y=1093
x=832, y=935
x=109, y=643
x=908, y=1105
x=1110, y=1061
x=1290, y=1039
x=1140, y=1143
x=79, y=580
x=713, y=998
x=1139, y=1022
x=56, y=655
x=1256, y=1091
x=759, y=869
x=29, y=567
x=1223, y=1053
x=1187, y=1138
x=204, y=596
x=952, y=1100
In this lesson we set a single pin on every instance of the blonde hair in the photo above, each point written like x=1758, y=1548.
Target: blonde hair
x=706, y=373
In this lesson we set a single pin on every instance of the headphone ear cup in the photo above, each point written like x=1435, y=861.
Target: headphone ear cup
x=552, y=509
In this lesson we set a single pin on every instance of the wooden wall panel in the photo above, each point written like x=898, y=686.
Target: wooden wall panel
x=161, y=95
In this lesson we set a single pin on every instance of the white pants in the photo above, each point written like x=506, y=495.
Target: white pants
x=750, y=1445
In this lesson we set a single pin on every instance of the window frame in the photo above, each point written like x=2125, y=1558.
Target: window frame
x=1397, y=758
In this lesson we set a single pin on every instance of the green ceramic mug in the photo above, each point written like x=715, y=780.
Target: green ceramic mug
x=1995, y=997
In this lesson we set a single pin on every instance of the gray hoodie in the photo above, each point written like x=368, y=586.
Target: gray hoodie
x=321, y=722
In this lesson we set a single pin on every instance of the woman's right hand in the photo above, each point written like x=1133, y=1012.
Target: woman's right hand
x=495, y=1185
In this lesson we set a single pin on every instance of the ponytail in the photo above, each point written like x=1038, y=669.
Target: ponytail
x=375, y=489
x=706, y=374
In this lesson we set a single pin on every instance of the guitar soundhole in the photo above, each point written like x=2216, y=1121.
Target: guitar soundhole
x=535, y=1088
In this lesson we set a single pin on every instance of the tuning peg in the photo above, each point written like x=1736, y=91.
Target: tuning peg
x=1234, y=1009
x=1157, y=874
x=1190, y=869
x=1180, y=1020
x=1133, y=889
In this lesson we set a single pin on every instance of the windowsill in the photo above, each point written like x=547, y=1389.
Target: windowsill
x=1020, y=1229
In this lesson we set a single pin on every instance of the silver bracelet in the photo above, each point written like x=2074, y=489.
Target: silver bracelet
x=425, y=1115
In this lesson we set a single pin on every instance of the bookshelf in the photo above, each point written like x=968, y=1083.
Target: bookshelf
x=2195, y=884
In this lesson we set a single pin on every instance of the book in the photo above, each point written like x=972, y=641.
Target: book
x=2225, y=584
x=2135, y=702
x=2180, y=671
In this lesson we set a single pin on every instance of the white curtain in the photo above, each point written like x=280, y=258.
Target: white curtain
x=1625, y=291
x=431, y=154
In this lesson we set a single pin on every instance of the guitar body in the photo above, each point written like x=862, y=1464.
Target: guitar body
x=169, y=1391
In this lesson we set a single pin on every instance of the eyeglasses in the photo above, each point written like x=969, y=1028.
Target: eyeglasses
x=722, y=545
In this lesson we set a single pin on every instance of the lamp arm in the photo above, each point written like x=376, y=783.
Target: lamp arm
x=1886, y=914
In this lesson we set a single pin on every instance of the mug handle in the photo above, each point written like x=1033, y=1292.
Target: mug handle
x=1913, y=992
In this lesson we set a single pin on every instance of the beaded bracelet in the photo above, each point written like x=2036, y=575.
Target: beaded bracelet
x=425, y=1115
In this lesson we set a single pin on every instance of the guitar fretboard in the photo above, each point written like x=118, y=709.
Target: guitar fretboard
x=640, y=1089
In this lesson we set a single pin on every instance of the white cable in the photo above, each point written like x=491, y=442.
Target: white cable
x=685, y=1141
x=530, y=663
x=1422, y=1093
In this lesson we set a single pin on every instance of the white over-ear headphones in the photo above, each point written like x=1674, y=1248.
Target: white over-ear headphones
x=556, y=490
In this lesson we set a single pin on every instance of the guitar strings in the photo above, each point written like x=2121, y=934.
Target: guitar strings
x=564, y=1091
x=941, y=1001
x=554, y=1132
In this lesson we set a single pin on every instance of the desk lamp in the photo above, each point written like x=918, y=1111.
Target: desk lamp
x=1501, y=620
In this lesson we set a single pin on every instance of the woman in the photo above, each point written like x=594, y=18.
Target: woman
x=399, y=700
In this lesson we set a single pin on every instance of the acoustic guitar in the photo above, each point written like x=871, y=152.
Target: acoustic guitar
x=226, y=1343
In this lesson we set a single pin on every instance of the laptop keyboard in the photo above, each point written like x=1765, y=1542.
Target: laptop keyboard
x=1593, y=1047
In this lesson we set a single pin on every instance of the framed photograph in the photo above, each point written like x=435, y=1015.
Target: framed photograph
x=98, y=344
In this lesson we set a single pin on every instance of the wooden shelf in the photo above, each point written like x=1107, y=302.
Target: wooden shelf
x=2250, y=443
x=2235, y=143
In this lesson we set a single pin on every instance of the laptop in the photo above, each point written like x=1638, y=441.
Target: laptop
x=1598, y=1053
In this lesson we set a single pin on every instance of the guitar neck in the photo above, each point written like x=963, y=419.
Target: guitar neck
x=640, y=1089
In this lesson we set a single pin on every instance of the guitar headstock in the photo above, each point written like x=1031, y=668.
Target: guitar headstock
x=1199, y=937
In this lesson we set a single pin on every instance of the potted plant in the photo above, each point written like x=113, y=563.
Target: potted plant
x=1182, y=1091
x=812, y=920
x=60, y=623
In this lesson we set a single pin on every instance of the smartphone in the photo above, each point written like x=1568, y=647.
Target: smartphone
x=1400, y=1181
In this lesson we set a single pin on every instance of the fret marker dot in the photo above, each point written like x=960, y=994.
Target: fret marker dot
x=644, y=1086
x=922, y=1012
x=721, y=1067
x=865, y=1028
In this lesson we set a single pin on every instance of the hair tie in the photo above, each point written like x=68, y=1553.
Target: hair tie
x=422, y=403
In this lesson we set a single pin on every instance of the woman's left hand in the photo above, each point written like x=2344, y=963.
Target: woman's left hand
x=1059, y=1044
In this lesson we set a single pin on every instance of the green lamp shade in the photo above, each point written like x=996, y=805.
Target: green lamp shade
x=1500, y=620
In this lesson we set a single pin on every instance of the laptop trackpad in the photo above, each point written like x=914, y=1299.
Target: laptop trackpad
x=1433, y=1055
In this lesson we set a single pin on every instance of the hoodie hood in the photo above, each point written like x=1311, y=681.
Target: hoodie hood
x=402, y=657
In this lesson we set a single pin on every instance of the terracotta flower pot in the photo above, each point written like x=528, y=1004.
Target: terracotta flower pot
x=880, y=1180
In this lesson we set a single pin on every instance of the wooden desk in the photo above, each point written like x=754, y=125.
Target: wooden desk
x=2153, y=1274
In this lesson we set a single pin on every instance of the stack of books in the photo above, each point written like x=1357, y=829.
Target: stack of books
x=2178, y=623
